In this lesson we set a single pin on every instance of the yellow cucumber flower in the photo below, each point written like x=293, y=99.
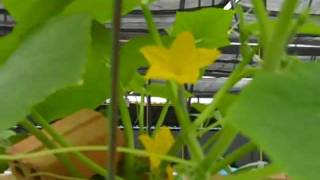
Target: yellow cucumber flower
x=181, y=62
x=160, y=144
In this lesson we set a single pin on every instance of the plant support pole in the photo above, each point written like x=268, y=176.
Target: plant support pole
x=115, y=63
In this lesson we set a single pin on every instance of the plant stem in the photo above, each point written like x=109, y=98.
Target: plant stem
x=115, y=78
x=60, y=139
x=278, y=44
x=234, y=156
x=211, y=140
x=162, y=117
x=150, y=22
x=50, y=145
x=141, y=114
x=234, y=78
x=208, y=128
x=263, y=19
x=225, y=139
x=137, y=152
x=189, y=134
x=129, y=135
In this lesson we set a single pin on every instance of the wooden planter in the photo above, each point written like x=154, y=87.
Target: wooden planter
x=85, y=127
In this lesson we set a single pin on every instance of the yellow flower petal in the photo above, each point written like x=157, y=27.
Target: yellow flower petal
x=181, y=62
x=183, y=45
x=170, y=171
x=165, y=139
x=206, y=56
x=161, y=144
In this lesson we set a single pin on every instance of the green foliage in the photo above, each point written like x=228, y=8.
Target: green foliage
x=209, y=26
x=28, y=15
x=132, y=58
x=31, y=12
x=41, y=66
x=4, y=144
x=309, y=27
x=226, y=102
x=96, y=81
x=280, y=112
x=101, y=10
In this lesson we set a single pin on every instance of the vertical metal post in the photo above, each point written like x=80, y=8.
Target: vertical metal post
x=114, y=109
x=182, y=4
x=148, y=119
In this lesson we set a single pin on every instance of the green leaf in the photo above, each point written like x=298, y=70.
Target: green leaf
x=100, y=10
x=132, y=58
x=309, y=28
x=4, y=165
x=137, y=84
x=209, y=26
x=28, y=14
x=96, y=82
x=280, y=112
x=33, y=11
x=50, y=59
x=199, y=106
x=226, y=101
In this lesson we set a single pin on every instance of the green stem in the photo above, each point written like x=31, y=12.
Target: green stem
x=211, y=140
x=162, y=117
x=189, y=133
x=263, y=19
x=136, y=152
x=50, y=145
x=128, y=133
x=60, y=139
x=150, y=22
x=226, y=138
x=208, y=128
x=141, y=114
x=234, y=78
x=234, y=156
x=278, y=44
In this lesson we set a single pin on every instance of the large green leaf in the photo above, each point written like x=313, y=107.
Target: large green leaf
x=309, y=27
x=28, y=14
x=209, y=26
x=33, y=11
x=281, y=113
x=101, y=10
x=96, y=82
x=50, y=59
x=132, y=58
